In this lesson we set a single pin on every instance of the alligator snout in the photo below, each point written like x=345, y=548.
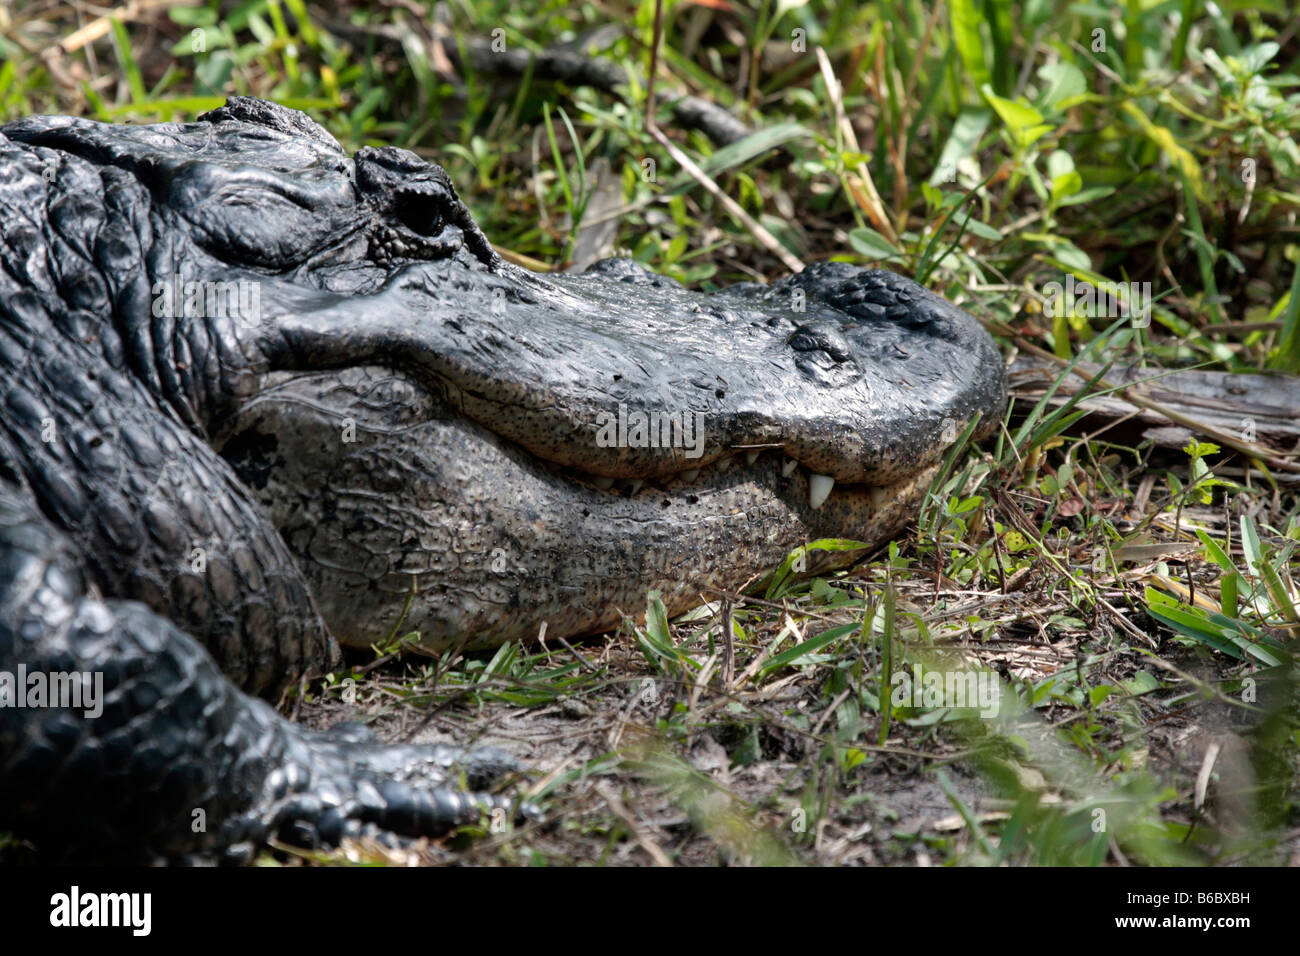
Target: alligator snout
x=572, y=441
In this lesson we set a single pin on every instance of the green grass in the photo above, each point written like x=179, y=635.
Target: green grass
x=989, y=151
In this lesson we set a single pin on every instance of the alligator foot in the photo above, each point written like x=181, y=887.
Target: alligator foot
x=360, y=789
x=158, y=755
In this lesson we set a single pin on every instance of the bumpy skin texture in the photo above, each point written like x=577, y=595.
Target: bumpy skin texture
x=394, y=426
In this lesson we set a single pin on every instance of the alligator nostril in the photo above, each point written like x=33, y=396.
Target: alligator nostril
x=821, y=338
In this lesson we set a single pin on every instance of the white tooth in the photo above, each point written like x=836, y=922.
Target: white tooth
x=751, y=456
x=604, y=482
x=634, y=485
x=723, y=464
x=877, y=498
x=690, y=475
x=819, y=489
x=787, y=469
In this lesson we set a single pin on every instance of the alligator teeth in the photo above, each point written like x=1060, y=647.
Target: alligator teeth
x=634, y=485
x=690, y=475
x=787, y=469
x=819, y=489
x=877, y=498
x=751, y=456
x=603, y=482
x=723, y=464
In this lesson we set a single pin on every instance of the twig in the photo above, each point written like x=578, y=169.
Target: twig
x=1251, y=450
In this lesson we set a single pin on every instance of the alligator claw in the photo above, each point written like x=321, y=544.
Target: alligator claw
x=352, y=787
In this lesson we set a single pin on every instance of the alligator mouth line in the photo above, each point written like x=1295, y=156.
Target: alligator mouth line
x=737, y=460
x=820, y=487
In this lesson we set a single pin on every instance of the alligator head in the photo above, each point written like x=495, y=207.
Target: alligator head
x=463, y=448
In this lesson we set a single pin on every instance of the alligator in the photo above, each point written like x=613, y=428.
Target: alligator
x=259, y=398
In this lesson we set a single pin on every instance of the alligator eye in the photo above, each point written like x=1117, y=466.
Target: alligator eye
x=420, y=212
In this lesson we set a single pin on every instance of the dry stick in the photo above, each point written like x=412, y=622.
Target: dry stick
x=100, y=26
x=1126, y=624
x=697, y=688
x=866, y=195
x=581, y=660
x=830, y=709
x=728, y=647
x=900, y=209
x=743, y=598
x=1251, y=450
x=997, y=550
x=654, y=66
x=620, y=809
x=765, y=238
x=920, y=51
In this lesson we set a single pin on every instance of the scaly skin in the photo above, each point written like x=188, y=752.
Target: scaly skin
x=195, y=504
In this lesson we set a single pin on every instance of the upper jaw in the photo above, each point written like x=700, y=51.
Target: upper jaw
x=619, y=381
x=623, y=383
x=584, y=372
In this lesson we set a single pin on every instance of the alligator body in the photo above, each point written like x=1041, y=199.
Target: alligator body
x=257, y=396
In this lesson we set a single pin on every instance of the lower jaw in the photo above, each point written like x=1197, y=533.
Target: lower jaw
x=433, y=525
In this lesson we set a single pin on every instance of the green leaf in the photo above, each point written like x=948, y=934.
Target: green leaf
x=1087, y=195
x=1225, y=635
x=1065, y=179
x=1015, y=542
x=1216, y=553
x=1250, y=548
x=965, y=18
x=1255, y=58
x=797, y=654
x=967, y=130
x=1287, y=355
x=1167, y=611
x=1163, y=137
x=981, y=229
x=872, y=244
x=850, y=757
x=1099, y=694
x=126, y=59
x=1229, y=589
x=779, y=576
x=1023, y=121
x=1070, y=257
x=1061, y=82
x=752, y=146
x=1282, y=602
x=656, y=641
x=1140, y=683
x=193, y=16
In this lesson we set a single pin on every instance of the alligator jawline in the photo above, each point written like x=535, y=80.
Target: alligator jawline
x=473, y=521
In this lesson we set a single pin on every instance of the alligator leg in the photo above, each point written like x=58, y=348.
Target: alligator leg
x=170, y=758
x=130, y=552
